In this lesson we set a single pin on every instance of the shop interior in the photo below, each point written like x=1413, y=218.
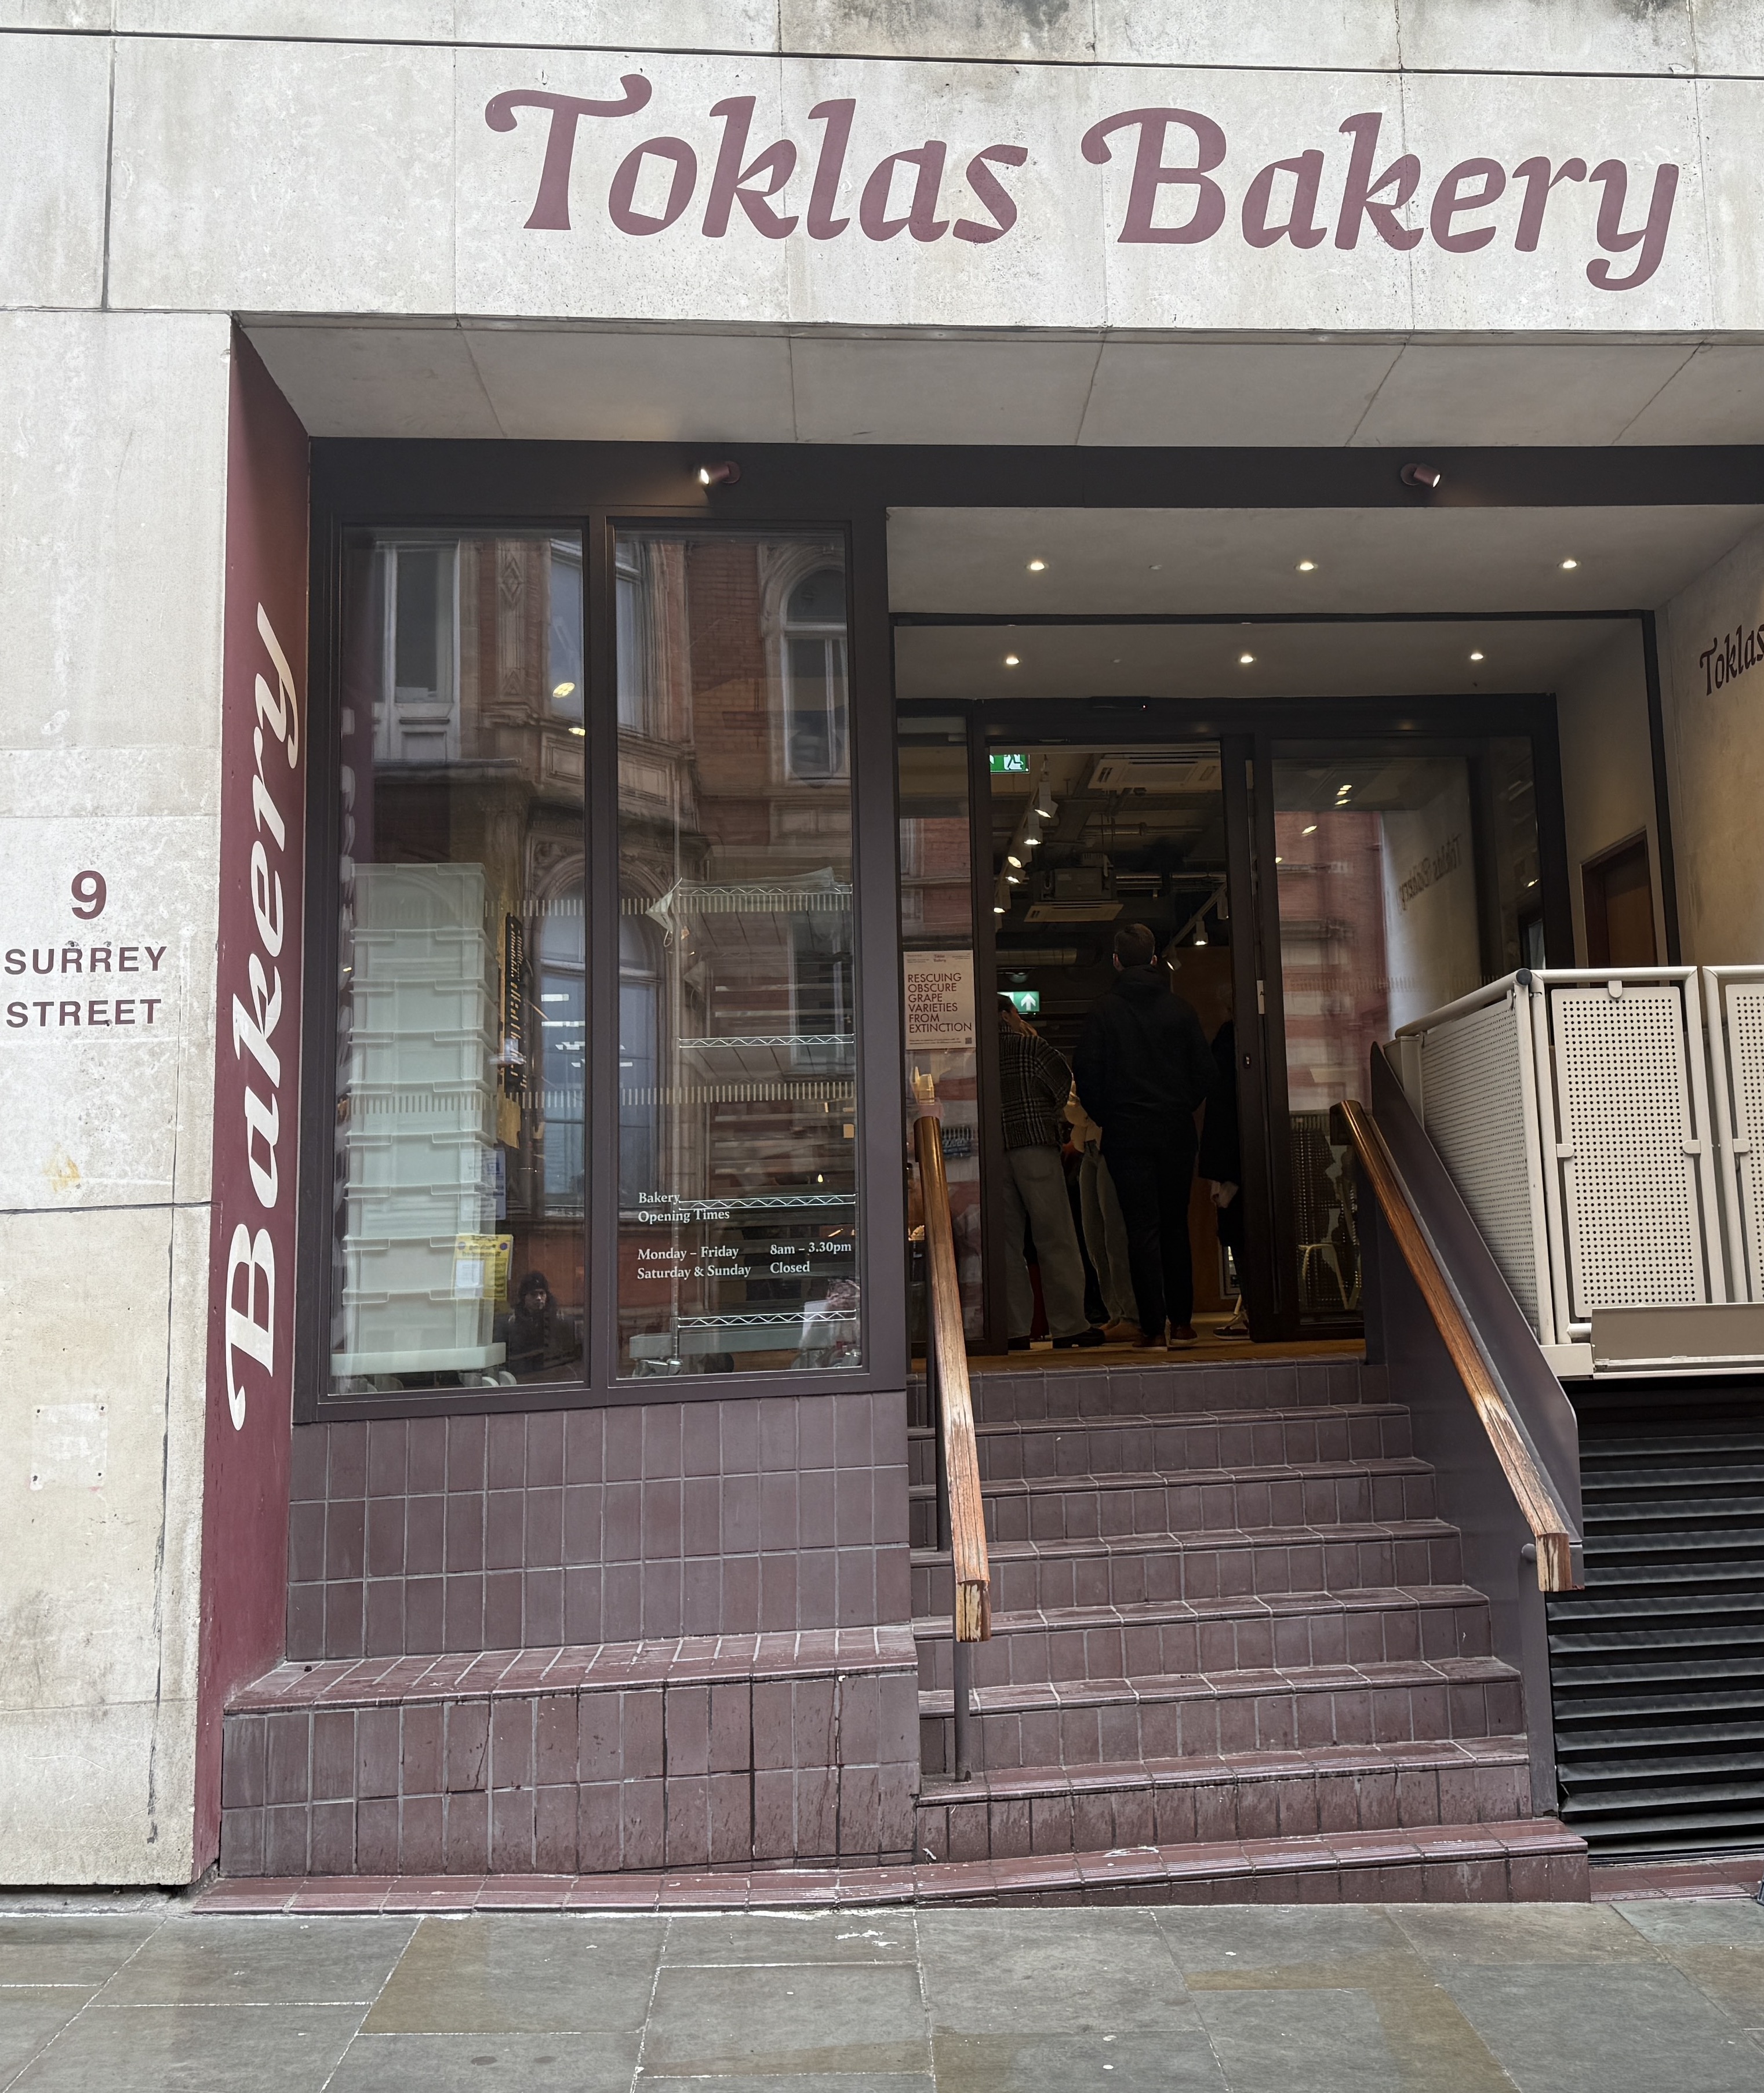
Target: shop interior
x=1413, y=689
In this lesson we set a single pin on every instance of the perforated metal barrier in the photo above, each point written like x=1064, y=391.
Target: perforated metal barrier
x=1572, y=1108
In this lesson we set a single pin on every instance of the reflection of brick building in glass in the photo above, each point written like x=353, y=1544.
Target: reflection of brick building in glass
x=1333, y=974
x=1335, y=990
x=736, y=1179
x=461, y=1042
x=937, y=913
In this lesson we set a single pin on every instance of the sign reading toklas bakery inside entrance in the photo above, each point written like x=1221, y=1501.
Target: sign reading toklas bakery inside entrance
x=1175, y=177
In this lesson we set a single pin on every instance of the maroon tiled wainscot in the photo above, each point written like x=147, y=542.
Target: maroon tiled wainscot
x=705, y=1752
x=720, y=1517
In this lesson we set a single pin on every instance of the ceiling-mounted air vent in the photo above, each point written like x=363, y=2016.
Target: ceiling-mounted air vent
x=1157, y=770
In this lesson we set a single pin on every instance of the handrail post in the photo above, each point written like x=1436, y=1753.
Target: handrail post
x=961, y=1508
x=960, y=1670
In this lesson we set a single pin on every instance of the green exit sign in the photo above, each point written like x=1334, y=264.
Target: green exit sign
x=1026, y=1001
x=1010, y=766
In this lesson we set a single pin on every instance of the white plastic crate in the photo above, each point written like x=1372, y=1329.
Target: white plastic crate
x=417, y=1160
x=405, y=1213
x=433, y=1002
x=406, y=1111
x=409, y=1057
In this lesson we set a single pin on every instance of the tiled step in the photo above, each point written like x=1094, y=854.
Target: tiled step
x=1129, y=1570
x=1247, y=1633
x=1530, y=1860
x=1096, y=1721
x=731, y=1750
x=1250, y=1794
x=1215, y=1500
x=1172, y=1390
x=1106, y=1445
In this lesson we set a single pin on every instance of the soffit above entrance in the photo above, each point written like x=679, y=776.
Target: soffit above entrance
x=686, y=384
x=949, y=663
x=1218, y=562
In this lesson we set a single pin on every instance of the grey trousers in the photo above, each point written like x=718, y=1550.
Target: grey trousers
x=1105, y=1236
x=1035, y=1186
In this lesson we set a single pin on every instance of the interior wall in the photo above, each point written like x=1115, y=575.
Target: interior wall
x=1607, y=770
x=1712, y=671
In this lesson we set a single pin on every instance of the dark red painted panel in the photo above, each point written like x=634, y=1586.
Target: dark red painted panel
x=256, y=1066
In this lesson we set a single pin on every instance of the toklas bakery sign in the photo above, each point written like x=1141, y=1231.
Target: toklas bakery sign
x=1179, y=177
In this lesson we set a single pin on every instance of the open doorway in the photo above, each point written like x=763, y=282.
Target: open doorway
x=1306, y=896
x=1084, y=842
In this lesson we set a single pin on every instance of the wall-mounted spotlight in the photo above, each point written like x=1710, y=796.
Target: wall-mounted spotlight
x=1429, y=476
x=725, y=473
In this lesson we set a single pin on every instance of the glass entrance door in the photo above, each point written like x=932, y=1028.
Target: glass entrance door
x=1404, y=876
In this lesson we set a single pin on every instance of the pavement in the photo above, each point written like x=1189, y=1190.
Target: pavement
x=1647, y=1996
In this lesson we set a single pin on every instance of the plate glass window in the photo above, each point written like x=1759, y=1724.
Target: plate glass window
x=737, y=1194
x=458, y=1187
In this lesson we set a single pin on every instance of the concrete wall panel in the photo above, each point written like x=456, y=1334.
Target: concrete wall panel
x=298, y=177
x=112, y=472
x=52, y=170
x=112, y=481
x=1551, y=36
x=103, y=1412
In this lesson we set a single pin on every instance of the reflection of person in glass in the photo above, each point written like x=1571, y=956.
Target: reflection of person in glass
x=536, y=1334
x=830, y=1328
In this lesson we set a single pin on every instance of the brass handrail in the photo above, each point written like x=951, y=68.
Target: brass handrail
x=961, y=1510
x=1536, y=1496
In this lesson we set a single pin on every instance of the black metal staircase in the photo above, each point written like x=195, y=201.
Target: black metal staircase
x=1657, y=1666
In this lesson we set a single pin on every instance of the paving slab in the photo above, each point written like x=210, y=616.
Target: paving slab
x=1619, y=2027
x=1300, y=2042
x=1704, y=1922
x=488, y=2063
x=50, y=1948
x=1448, y=1935
x=1230, y=1938
x=193, y=2049
x=268, y=1961
x=1170, y=2062
x=515, y=1973
x=813, y=1936
x=31, y=2017
x=784, y=2019
x=1054, y=1973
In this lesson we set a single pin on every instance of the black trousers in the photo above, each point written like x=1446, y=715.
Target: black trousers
x=1153, y=1168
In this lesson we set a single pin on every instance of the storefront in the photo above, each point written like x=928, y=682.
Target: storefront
x=580, y=613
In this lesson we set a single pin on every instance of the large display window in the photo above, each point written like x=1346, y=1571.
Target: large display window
x=594, y=967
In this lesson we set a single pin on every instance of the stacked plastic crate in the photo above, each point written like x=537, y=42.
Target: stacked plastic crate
x=419, y=1248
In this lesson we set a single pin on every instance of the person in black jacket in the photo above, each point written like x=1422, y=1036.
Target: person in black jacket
x=1143, y=1070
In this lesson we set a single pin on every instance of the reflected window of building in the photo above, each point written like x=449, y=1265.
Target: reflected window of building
x=456, y=1234
x=417, y=719
x=565, y=674
x=640, y=1057
x=814, y=720
x=560, y=1069
x=738, y=1203
x=631, y=638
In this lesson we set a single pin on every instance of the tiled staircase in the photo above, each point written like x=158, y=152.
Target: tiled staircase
x=1225, y=1613
x=1233, y=1659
